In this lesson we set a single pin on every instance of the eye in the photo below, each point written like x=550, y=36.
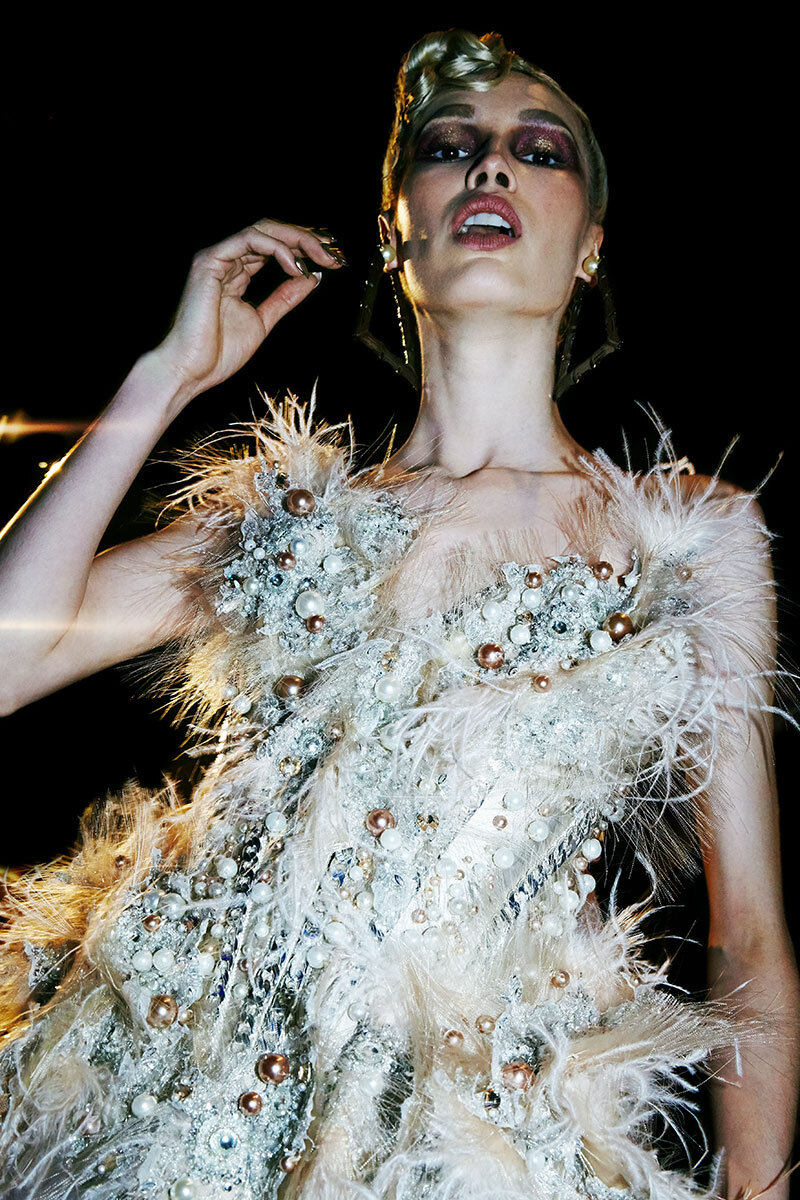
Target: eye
x=443, y=150
x=543, y=157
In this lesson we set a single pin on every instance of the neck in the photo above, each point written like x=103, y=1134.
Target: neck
x=487, y=399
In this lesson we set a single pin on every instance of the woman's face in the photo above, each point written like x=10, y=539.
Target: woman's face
x=516, y=143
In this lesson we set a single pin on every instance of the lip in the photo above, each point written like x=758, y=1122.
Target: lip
x=487, y=202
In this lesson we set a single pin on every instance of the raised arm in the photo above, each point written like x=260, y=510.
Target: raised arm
x=65, y=611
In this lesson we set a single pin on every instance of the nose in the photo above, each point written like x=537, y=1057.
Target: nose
x=492, y=167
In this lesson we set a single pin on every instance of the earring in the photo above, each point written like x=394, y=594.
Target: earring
x=409, y=365
x=566, y=376
x=591, y=262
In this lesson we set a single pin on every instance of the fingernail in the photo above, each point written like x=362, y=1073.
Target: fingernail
x=318, y=276
x=301, y=266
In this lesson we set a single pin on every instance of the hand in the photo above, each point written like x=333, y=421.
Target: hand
x=215, y=331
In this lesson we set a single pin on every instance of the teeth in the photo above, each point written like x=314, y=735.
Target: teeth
x=486, y=218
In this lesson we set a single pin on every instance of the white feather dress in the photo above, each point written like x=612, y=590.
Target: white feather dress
x=365, y=958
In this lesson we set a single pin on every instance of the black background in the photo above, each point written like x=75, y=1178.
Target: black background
x=126, y=152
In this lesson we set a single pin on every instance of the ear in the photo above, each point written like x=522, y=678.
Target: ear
x=387, y=232
x=594, y=237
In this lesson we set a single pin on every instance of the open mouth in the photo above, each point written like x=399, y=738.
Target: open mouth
x=487, y=224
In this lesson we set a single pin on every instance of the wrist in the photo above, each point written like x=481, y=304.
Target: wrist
x=170, y=388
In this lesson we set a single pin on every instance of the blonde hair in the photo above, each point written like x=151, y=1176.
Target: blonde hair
x=455, y=58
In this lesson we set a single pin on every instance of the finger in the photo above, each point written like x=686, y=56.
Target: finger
x=248, y=243
x=301, y=237
x=285, y=297
x=313, y=248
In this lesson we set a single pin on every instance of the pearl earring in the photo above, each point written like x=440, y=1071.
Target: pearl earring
x=591, y=262
x=387, y=251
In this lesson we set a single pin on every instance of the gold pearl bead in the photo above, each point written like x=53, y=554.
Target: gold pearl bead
x=484, y=1023
x=560, y=979
x=286, y=560
x=272, y=1068
x=152, y=922
x=602, y=570
x=684, y=573
x=453, y=1038
x=618, y=625
x=540, y=683
x=379, y=819
x=534, y=579
x=289, y=1162
x=518, y=1076
x=491, y=656
x=250, y=1104
x=300, y=502
x=499, y=821
x=591, y=264
x=419, y=916
x=162, y=1011
x=289, y=687
x=291, y=766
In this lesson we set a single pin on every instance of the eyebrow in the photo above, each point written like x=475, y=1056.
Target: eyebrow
x=527, y=114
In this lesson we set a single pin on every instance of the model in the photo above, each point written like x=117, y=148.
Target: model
x=366, y=958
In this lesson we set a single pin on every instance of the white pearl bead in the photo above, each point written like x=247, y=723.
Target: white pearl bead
x=333, y=563
x=591, y=849
x=514, y=799
x=539, y=830
x=275, y=821
x=356, y=873
x=432, y=937
x=298, y=546
x=491, y=611
x=183, y=1189
x=142, y=960
x=457, y=907
x=206, y=963
x=171, y=905
x=571, y=900
x=447, y=868
x=143, y=1105
x=262, y=930
x=251, y=586
x=241, y=991
x=315, y=956
x=335, y=933
x=600, y=640
x=164, y=960
x=513, y=595
x=310, y=604
x=242, y=705
x=259, y=553
x=520, y=634
x=551, y=925
x=503, y=857
x=229, y=691
x=374, y=1083
x=531, y=598
x=250, y=544
x=390, y=839
x=357, y=1011
x=537, y=1160
x=364, y=899
x=386, y=688
x=226, y=867
x=260, y=893
x=589, y=881
x=570, y=592
x=217, y=930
